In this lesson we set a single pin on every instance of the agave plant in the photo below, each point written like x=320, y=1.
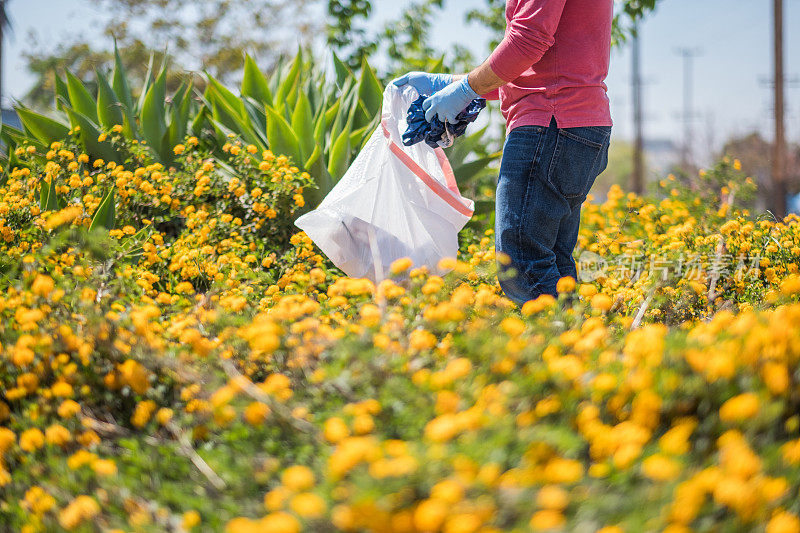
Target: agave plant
x=149, y=119
x=319, y=122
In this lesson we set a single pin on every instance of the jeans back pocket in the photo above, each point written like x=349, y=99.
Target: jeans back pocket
x=580, y=155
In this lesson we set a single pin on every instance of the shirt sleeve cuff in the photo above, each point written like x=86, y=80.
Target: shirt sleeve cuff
x=492, y=95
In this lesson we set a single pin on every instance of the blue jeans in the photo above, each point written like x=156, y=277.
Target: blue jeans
x=545, y=175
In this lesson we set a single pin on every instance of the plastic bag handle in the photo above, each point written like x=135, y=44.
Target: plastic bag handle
x=445, y=193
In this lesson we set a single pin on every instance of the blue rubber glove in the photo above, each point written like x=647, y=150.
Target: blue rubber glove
x=450, y=101
x=425, y=84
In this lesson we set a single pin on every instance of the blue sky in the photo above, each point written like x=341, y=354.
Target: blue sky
x=734, y=36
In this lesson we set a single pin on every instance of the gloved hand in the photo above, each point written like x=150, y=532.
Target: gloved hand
x=450, y=101
x=425, y=83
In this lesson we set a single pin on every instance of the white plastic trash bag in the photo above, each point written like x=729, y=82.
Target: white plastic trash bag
x=394, y=201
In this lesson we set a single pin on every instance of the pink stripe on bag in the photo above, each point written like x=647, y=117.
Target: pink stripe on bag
x=445, y=193
x=449, y=176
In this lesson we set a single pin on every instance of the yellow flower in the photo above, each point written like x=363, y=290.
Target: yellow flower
x=739, y=408
x=279, y=522
x=601, y=302
x=335, y=430
x=135, y=376
x=42, y=285
x=31, y=440
x=298, y=478
x=547, y=519
x=80, y=510
x=57, y=435
x=776, y=377
x=68, y=409
x=783, y=522
x=190, y=519
x=308, y=505
x=565, y=284
x=538, y=305
x=559, y=470
x=343, y=517
x=552, y=497
x=400, y=265
x=448, y=490
x=661, y=468
x=256, y=413
x=430, y=514
x=104, y=467
x=274, y=499
x=7, y=439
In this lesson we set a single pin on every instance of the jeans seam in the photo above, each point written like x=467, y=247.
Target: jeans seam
x=536, y=156
x=556, y=153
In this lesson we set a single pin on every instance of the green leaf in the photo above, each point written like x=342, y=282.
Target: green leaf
x=484, y=207
x=80, y=98
x=45, y=129
x=62, y=91
x=199, y=120
x=339, y=158
x=178, y=120
x=468, y=171
x=152, y=118
x=254, y=83
x=438, y=67
x=148, y=80
x=288, y=83
x=330, y=115
x=224, y=114
x=120, y=81
x=44, y=191
x=123, y=92
x=303, y=125
x=315, y=156
x=220, y=91
x=282, y=140
x=320, y=129
x=343, y=72
x=315, y=166
x=51, y=204
x=89, y=135
x=109, y=108
x=105, y=215
x=370, y=90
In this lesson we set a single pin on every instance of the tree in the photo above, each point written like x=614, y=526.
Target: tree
x=755, y=154
x=210, y=35
x=407, y=37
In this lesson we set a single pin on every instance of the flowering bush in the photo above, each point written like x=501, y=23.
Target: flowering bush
x=201, y=367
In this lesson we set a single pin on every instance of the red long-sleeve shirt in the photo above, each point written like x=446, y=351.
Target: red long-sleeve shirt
x=555, y=57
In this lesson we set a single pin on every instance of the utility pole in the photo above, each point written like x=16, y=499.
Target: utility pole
x=688, y=55
x=638, y=145
x=779, y=148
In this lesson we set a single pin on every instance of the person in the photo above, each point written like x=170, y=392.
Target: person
x=548, y=73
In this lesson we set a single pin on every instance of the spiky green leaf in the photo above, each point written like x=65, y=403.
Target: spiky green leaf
x=105, y=216
x=45, y=129
x=282, y=140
